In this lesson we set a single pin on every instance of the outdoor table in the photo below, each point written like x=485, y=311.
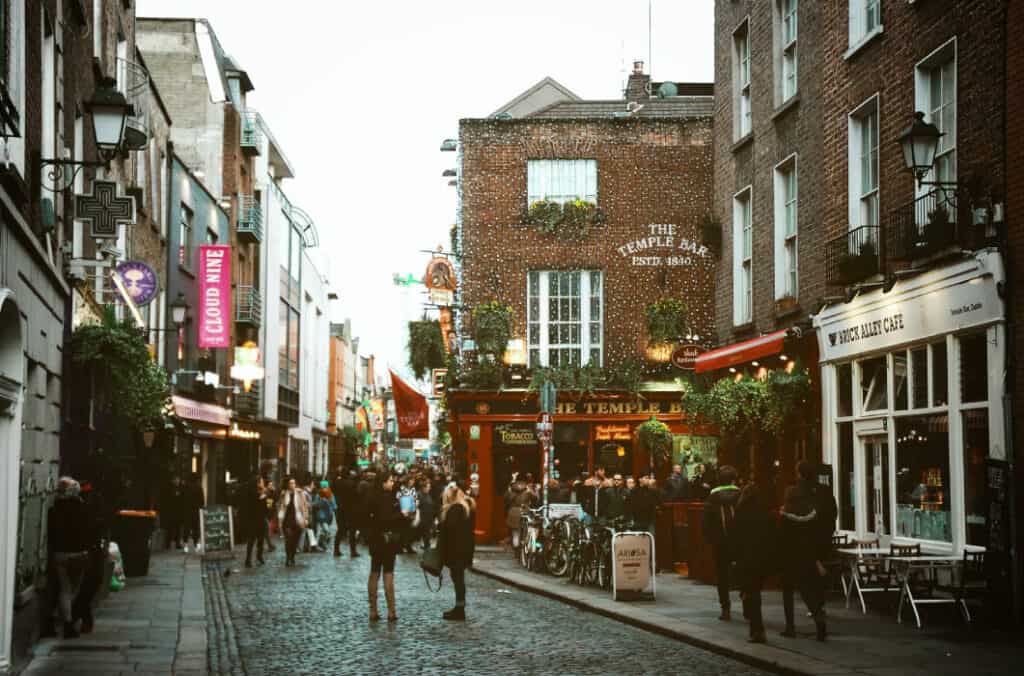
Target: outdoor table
x=906, y=565
x=854, y=555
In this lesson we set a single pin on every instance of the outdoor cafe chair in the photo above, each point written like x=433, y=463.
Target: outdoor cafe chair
x=834, y=565
x=973, y=583
x=869, y=573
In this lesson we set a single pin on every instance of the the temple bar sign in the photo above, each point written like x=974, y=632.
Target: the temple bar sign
x=661, y=245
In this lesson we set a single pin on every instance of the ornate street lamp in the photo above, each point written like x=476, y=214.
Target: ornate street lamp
x=179, y=310
x=110, y=111
x=920, y=142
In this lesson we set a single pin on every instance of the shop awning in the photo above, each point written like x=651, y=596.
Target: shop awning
x=740, y=353
x=201, y=411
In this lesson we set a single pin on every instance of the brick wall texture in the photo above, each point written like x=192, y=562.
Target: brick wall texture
x=779, y=130
x=1014, y=157
x=649, y=172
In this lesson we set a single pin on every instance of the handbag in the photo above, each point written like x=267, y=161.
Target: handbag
x=431, y=564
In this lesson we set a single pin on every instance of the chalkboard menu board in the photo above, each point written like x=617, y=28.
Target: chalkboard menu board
x=217, y=529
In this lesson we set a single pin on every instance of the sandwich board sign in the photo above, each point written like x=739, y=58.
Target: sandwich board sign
x=633, y=566
x=217, y=531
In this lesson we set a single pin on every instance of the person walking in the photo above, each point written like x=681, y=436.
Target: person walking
x=808, y=517
x=252, y=513
x=326, y=507
x=173, y=512
x=271, y=499
x=69, y=535
x=384, y=523
x=428, y=512
x=345, y=492
x=194, y=500
x=456, y=543
x=293, y=515
x=719, y=515
x=97, y=537
x=409, y=501
x=755, y=553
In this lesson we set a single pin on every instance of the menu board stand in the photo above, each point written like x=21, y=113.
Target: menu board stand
x=633, y=574
x=217, y=532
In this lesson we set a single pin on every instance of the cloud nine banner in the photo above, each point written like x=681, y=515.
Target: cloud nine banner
x=214, y=323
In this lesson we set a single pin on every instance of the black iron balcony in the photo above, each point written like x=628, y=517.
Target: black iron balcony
x=855, y=256
x=250, y=219
x=252, y=133
x=248, y=305
x=249, y=403
x=936, y=223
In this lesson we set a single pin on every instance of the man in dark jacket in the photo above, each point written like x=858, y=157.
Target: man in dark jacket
x=805, y=535
x=677, y=488
x=719, y=514
x=345, y=492
x=70, y=535
x=613, y=499
x=252, y=512
x=643, y=505
x=96, y=536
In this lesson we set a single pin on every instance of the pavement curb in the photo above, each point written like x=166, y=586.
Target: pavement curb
x=223, y=655
x=653, y=627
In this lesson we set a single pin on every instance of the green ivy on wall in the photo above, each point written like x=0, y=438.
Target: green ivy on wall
x=737, y=404
x=666, y=320
x=426, y=347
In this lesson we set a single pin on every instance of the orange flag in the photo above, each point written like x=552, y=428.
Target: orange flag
x=411, y=409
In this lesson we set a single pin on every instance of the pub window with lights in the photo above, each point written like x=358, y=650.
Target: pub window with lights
x=561, y=180
x=565, y=317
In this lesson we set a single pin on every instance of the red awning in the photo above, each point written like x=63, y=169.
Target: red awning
x=739, y=353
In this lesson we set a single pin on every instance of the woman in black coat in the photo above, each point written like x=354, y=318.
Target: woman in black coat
x=754, y=542
x=384, y=522
x=456, y=543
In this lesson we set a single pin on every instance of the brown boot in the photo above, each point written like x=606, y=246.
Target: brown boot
x=371, y=591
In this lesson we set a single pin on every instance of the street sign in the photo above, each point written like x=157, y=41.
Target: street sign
x=545, y=427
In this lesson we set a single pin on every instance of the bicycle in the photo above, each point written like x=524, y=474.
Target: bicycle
x=601, y=555
x=556, y=545
x=531, y=532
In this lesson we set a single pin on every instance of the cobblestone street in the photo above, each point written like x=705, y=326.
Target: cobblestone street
x=312, y=619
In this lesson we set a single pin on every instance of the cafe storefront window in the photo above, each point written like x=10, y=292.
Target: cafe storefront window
x=913, y=405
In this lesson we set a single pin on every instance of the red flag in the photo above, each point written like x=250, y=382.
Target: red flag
x=411, y=409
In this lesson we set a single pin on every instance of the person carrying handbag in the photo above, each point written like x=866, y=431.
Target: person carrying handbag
x=456, y=543
x=385, y=524
x=293, y=515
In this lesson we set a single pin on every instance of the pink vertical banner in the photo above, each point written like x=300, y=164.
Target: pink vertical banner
x=214, y=296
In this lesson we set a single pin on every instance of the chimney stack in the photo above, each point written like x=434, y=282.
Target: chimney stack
x=637, y=87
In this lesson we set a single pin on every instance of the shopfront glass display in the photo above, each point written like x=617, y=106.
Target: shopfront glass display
x=922, y=478
x=873, y=386
x=844, y=382
x=900, y=386
x=847, y=488
x=975, y=424
x=919, y=364
x=876, y=464
x=940, y=373
x=973, y=368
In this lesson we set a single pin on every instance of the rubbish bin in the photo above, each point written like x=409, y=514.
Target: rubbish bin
x=133, y=532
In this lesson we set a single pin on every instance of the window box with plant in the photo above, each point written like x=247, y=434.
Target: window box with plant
x=571, y=220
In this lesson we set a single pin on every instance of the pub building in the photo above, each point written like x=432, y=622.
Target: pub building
x=574, y=218
x=912, y=394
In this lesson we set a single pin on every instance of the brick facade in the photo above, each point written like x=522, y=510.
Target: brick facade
x=649, y=171
x=885, y=66
x=779, y=130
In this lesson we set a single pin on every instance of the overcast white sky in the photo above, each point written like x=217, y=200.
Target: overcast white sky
x=360, y=93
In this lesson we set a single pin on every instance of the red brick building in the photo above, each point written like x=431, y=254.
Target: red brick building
x=579, y=296
x=913, y=338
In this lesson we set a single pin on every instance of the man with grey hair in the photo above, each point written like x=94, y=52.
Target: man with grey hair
x=68, y=533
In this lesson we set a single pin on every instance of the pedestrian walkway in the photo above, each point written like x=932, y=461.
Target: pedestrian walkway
x=858, y=644
x=155, y=626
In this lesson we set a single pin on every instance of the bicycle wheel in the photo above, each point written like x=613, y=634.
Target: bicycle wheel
x=523, y=550
x=604, y=569
x=588, y=573
x=556, y=556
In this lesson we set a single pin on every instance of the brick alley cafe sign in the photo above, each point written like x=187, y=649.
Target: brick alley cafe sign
x=660, y=244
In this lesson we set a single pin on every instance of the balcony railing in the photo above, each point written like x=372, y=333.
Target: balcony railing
x=252, y=132
x=133, y=82
x=250, y=219
x=250, y=403
x=855, y=256
x=248, y=305
x=936, y=223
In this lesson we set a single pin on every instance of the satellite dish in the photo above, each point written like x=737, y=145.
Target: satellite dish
x=667, y=89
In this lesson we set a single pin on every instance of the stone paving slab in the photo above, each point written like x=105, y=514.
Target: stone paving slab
x=858, y=644
x=155, y=626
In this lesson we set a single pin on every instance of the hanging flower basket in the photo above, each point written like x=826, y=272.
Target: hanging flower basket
x=666, y=320
x=656, y=438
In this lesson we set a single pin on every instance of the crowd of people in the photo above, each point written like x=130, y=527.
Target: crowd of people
x=389, y=510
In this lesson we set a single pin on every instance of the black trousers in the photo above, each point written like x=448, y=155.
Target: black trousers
x=291, y=541
x=723, y=574
x=346, y=524
x=255, y=537
x=752, y=603
x=811, y=587
x=81, y=607
x=459, y=582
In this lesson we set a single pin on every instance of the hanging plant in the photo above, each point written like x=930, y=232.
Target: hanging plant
x=117, y=353
x=711, y=232
x=484, y=374
x=569, y=378
x=628, y=375
x=577, y=216
x=492, y=328
x=656, y=438
x=787, y=394
x=666, y=320
x=426, y=347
